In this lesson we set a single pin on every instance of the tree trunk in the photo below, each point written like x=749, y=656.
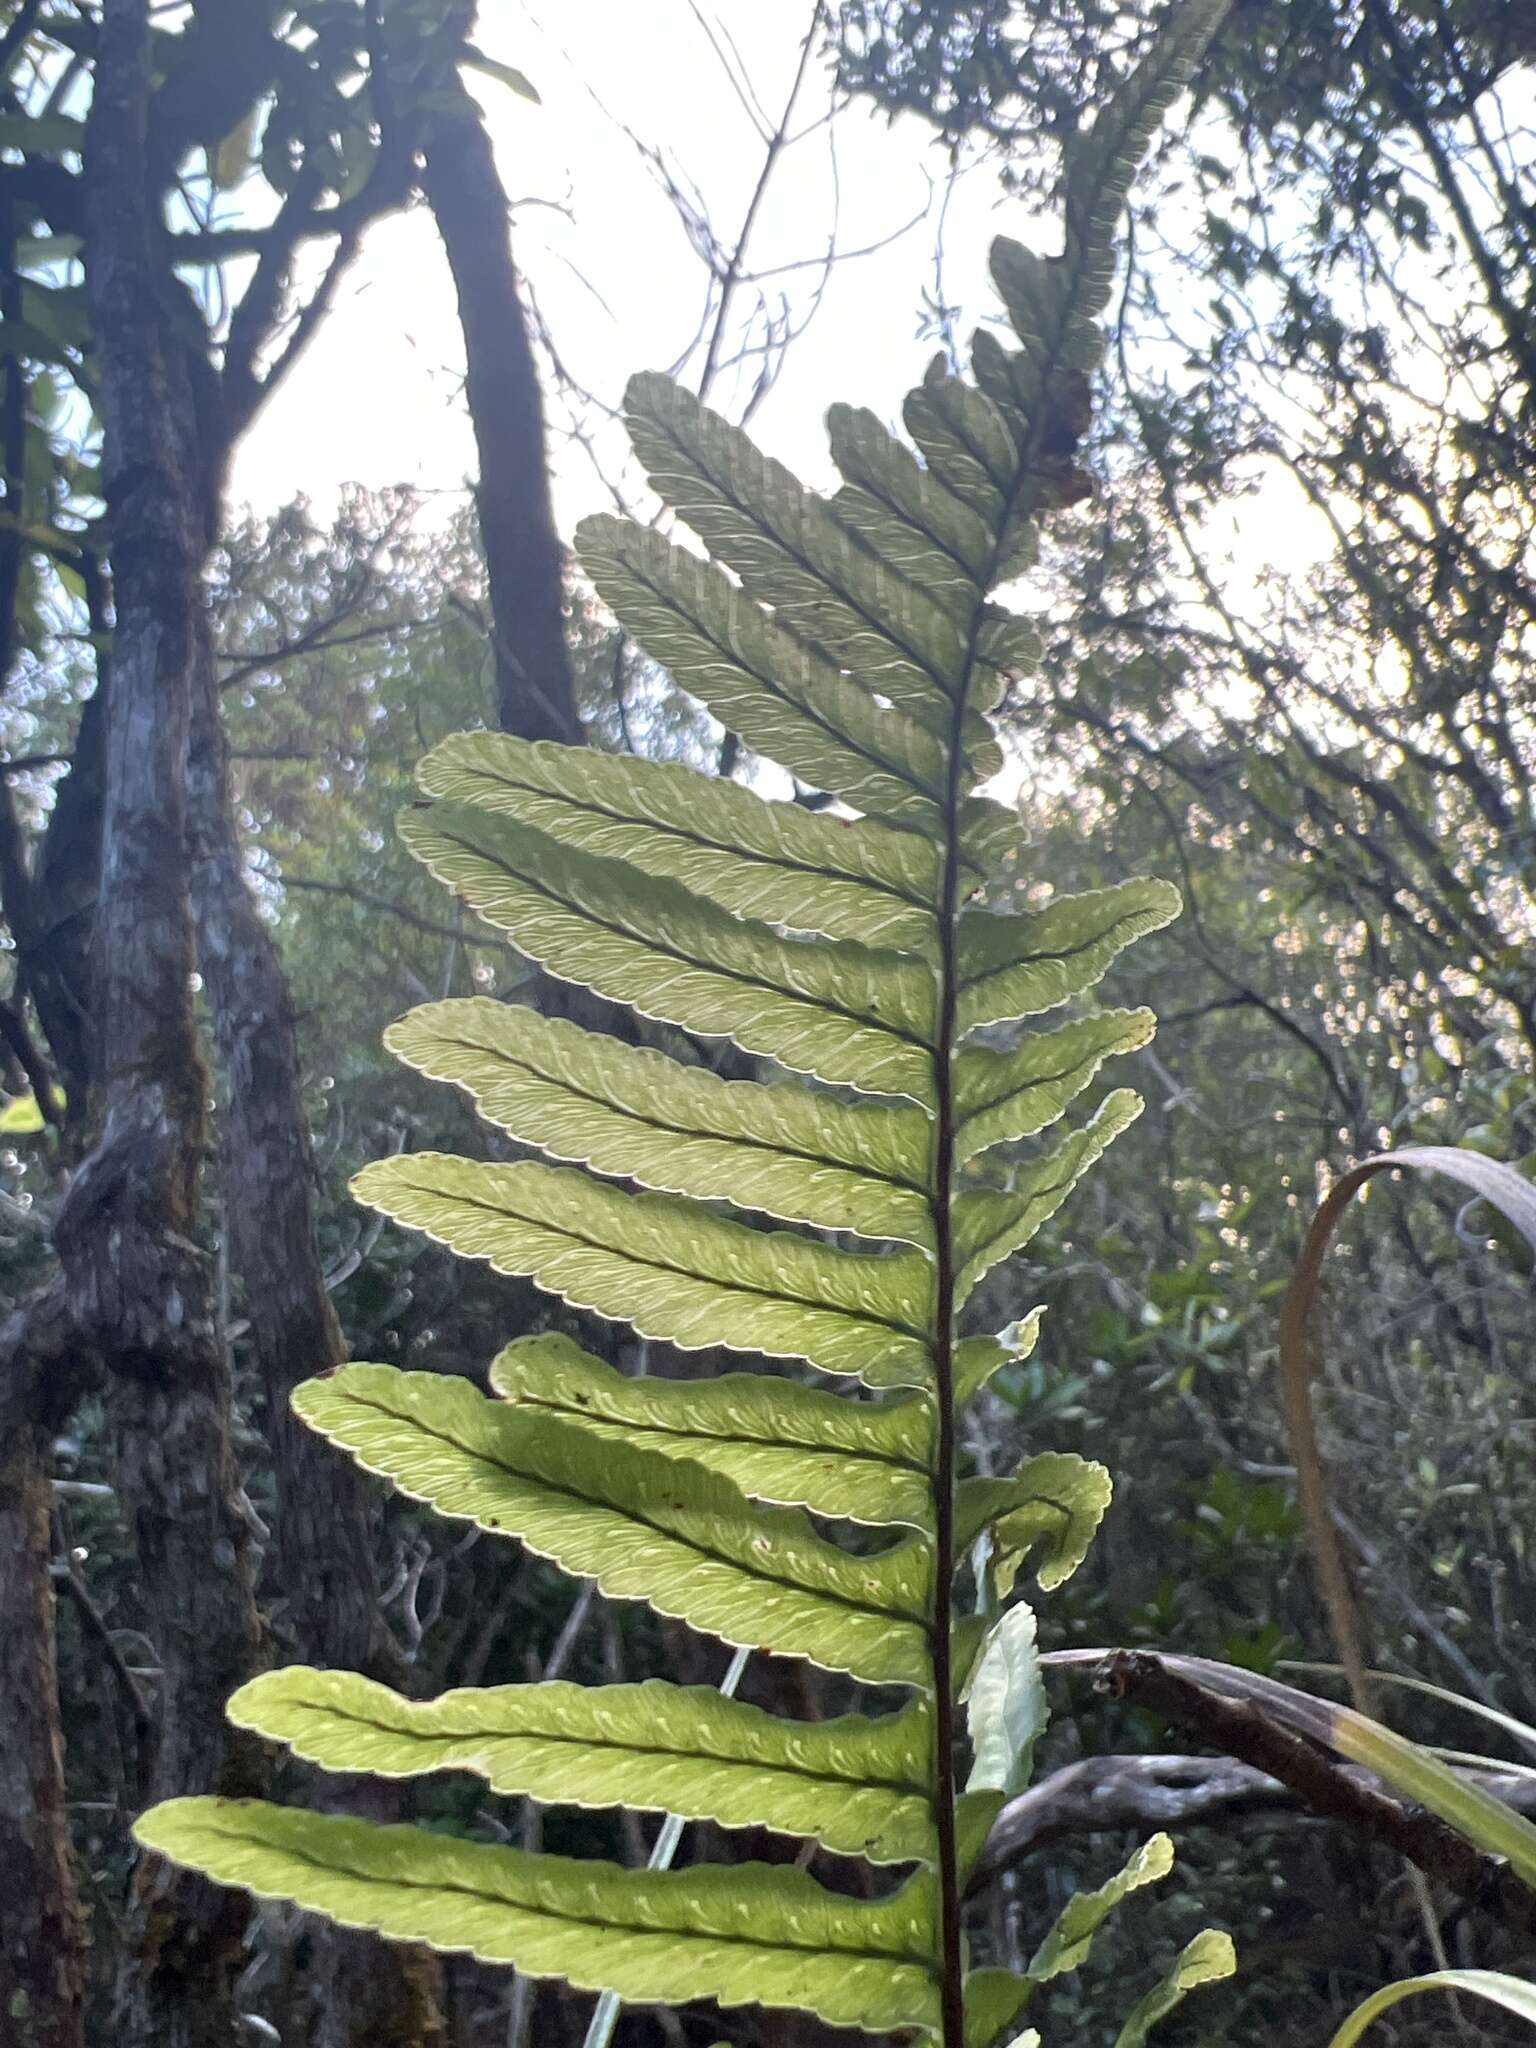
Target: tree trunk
x=176, y=1476
x=523, y=557
x=362, y=1993
x=41, y=1935
x=324, y=1555
x=138, y=1286
x=40, y=924
x=68, y=879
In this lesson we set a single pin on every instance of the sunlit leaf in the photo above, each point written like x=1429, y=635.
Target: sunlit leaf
x=744, y=1935
x=858, y=1786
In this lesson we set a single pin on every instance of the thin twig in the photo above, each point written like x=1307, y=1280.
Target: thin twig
x=66, y=1573
x=605, y=2018
x=771, y=154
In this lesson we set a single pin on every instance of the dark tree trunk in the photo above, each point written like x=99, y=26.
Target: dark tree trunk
x=523, y=557
x=324, y=1567
x=41, y=1936
x=138, y=1286
x=525, y=564
x=41, y=1932
x=39, y=923
x=183, y=1944
x=68, y=877
x=361, y=1993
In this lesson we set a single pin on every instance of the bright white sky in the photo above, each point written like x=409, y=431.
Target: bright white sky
x=377, y=399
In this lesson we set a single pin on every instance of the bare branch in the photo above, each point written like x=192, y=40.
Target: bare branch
x=1244, y=1729
x=402, y=911
x=775, y=145
x=1111, y=1794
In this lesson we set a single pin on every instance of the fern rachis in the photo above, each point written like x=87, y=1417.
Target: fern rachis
x=854, y=641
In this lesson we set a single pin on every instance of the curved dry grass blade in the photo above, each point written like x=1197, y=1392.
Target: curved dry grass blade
x=1518, y=1731
x=1488, y=1180
x=1512, y=1993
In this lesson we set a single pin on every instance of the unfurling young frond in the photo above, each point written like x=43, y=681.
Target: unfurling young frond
x=843, y=1227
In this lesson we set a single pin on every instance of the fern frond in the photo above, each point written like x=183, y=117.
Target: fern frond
x=630, y=1112
x=1011, y=967
x=849, y=878
x=1049, y=1511
x=856, y=641
x=1066, y=1946
x=857, y=1786
x=786, y=701
x=672, y=1268
x=1004, y=1096
x=1205, y=1960
x=991, y=1224
x=859, y=1015
x=645, y=1527
x=747, y=1935
x=857, y=1461
x=789, y=549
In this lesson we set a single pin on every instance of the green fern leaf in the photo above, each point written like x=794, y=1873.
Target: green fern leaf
x=860, y=1461
x=645, y=1527
x=853, y=1014
x=1014, y=967
x=859, y=1787
x=967, y=443
x=748, y=1935
x=762, y=682
x=672, y=1268
x=993, y=2001
x=1003, y=1096
x=1205, y=1960
x=1048, y=1511
x=978, y=1358
x=624, y=1110
x=905, y=514
x=849, y=878
x=787, y=546
x=1066, y=1946
x=991, y=1224
x=1055, y=303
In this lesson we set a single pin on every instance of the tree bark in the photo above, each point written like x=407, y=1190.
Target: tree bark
x=362, y=1993
x=324, y=1567
x=35, y=918
x=42, y=1956
x=525, y=564
x=41, y=1932
x=138, y=1286
x=68, y=879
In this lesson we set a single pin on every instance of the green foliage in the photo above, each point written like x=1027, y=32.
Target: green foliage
x=856, y=1461
x=858, y=1786
x=645, y=1526
x=1205, y=1960
x=1067, y=1945
x=20, y=1117
x=854, y=641
x=751, y=1934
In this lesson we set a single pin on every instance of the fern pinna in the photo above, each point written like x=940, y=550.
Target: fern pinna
x=852, y=640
